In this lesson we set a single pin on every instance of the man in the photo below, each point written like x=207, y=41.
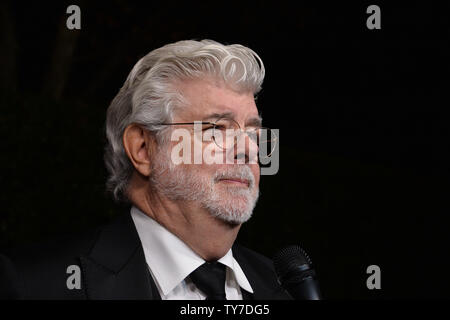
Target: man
x=176, y=238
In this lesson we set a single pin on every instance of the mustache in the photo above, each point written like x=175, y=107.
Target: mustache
x=240, y=172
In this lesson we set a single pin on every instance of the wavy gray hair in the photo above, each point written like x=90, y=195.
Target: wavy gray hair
x=149, y=95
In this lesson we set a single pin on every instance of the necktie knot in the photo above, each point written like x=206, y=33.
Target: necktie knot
x=210, y=279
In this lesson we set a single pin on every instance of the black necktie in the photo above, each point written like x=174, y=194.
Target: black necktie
x=210, y=279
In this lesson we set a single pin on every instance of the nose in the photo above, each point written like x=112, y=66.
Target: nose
x=245, y=150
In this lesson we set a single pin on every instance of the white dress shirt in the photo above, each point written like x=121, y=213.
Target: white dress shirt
x=170, y=261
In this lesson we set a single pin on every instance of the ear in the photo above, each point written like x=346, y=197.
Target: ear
x=139, y=145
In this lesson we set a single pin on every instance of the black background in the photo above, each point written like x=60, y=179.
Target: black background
x=362, y=114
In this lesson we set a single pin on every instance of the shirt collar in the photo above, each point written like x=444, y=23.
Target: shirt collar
x=231, y=263
x=170, y=259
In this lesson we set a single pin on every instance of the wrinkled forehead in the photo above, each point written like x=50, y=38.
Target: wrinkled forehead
x=207, y=100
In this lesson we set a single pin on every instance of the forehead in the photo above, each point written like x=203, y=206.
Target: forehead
x=207, y=97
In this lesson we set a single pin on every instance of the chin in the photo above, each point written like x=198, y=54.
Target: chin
x=230, y=204
x=233, y=210
x=233, y=220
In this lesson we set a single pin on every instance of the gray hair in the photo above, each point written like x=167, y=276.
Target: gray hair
x=149, y=95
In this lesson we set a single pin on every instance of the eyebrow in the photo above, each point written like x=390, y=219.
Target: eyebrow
x=253, y=121
x=213, y=116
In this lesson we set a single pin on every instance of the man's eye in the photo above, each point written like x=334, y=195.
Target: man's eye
x=207, y=128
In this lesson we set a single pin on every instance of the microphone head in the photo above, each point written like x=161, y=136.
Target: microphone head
x=290, y=259
x=295, y=274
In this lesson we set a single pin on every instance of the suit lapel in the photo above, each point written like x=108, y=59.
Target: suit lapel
x=263, y=283
x=115, y=267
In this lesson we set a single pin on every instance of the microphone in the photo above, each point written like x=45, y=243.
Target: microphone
x=295, y=273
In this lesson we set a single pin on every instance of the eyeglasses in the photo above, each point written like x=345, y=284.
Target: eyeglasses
x=226, y=132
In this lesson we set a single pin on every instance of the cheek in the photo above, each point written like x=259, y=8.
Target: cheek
x=205, y=170
x=256, y=173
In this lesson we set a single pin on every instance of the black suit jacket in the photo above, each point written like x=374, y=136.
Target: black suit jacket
x=112, y=265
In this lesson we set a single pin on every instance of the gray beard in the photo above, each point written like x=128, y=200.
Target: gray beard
x=185, y=183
